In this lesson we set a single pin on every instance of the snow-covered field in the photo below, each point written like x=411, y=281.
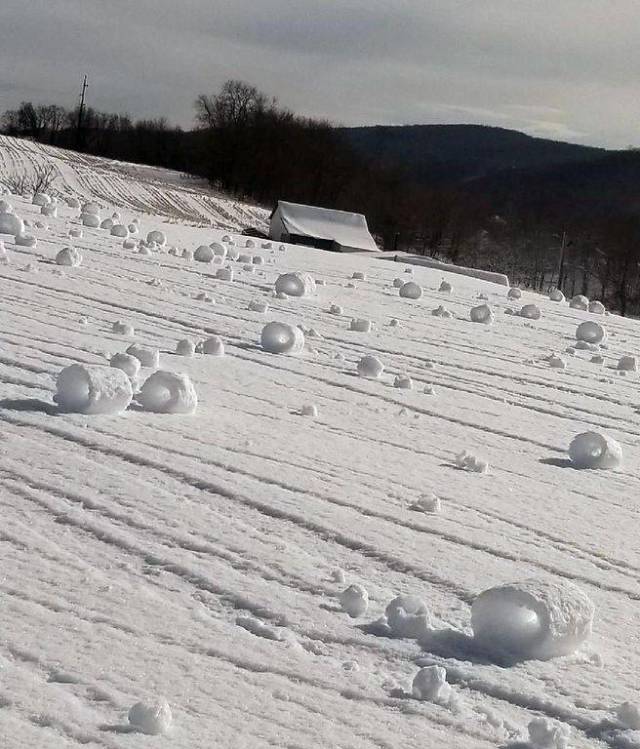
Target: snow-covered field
x=200, y=558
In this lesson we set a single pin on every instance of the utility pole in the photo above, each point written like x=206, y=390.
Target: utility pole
x=81, y=112
x=563, y=246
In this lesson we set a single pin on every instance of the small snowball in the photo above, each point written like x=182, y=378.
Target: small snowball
x=133, y=228
x=187, y=255
x=430, y=683
x=40, y=199
x=296, y=284
x=338, y=575
x=579, y=301
x=628, y=364
x=442, y=312
x=250, y=244
x=557, y=362
x=596, y=308
x=394, y=323
x=514, y=293
x=403, y=381
x=445, y=287
x=148, y=357
x=371, y=367
x=335, y=309
x=224, y=274
x=545, y=733
x=106, y=224
x=73, y=203
x=281, y=338
x=597, y=359
x=119, y=230
x=358, y=276
x=50, y=210
x=92, y=208
x=93, y=390
x=360, y=326
x=69, y=256
x=411, y=290
x=128, y=244
x=354, y=600
x=427, y=503
x=123, y=328
x=629, y=715
x=158, y=237
x=470, y=462
x=595, y=450
x=530, y=311
x=168, y=392
x=185, y=347
x=25, y=240
x=309, y=409
x=408, y=270
x=204, y=254
x=75, y=232
x=482, y=314
x=154, y=719
x=128, y=364
x=429, y=390
x=90, y=220
x=556, y=295
x=398, y=282
x=257, y=305
x=408, y=616
x=212, y=346
x=257, y=260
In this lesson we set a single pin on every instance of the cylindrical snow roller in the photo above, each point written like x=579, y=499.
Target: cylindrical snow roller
x=169, y=393
x=93, y=390
x=595, y=450
x=532, y=619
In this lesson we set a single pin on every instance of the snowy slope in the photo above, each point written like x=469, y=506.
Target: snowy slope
x=138, y=553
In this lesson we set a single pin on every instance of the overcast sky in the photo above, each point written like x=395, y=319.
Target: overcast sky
x=565, y=69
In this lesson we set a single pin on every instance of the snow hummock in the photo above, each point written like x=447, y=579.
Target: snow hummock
x=296, y=284
x=169, y=393
x=482, y=314
x=354, y=600
x=408, y=616
x=154, y=719
x=536, y=618
x=445, y=287
x=430, y=683
x=595, y=450
x=69, y=256
x=93, y=390
x=371, y=367
x=282, y=338
x=545, y=733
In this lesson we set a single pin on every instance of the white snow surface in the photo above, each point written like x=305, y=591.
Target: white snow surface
x=133, y=547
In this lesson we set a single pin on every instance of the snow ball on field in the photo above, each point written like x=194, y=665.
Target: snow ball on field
x=122, y=328
x=76, y=232
x=91, y=220
x=296, y=284
x=224, y=274
x=11, y=224
x=309, y=409
x=360, y=326
x=535, y=618
x=119, y=230
x=50, y=210
x=25, y=240
x=40, y=199
x=148, y=357
x=429, y=390
x=579, y=301
x=204, y=297
x=5, y=207
x=187, y=255
x=69, y=256
x=597, y=308
x=249, y=244
x=445, y=287
x=128, y=244
x=248, y=268
x=441, y=311
x=628, y=714
x=73, y=202
x=203, y=254
x=430, y=683
x=628, y=364
x=154, y=719
x=39, y=225
x=354, y=600
x=212, y=346
x=257, y=260
x=232, y=254
x=169, y=393
x=482, y=314
x=545, y=733
x=335, y=309
x=595, y=450
x=398, y=282
x=371, y=367
x=257, y=305
x=482, y=296
x=555, y=295
x=597, y=359
x=338, y=575
x=107, y=223
x=403, y=382
x=530, y=311
x=244, y=258
x=226, y=238
x=407, y=616
x=158, y=237
x=358, y=275
x=92, y=209
x=185, y=347
x=408, y=270
x=128, y=364
x=590, y=332
x=219, y=250
x=394, y=322
x=514, y=293
x=557, y=362
x=470, y=462
x=411, y=290
x=281, y=338
x=93, y=390
x=427, y=503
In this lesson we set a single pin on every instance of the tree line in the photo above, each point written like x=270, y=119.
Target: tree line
x=246, y=144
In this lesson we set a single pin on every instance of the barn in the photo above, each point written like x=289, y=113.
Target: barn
x=324, y=228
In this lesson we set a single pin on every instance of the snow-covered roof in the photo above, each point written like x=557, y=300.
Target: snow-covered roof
x=344, y=228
